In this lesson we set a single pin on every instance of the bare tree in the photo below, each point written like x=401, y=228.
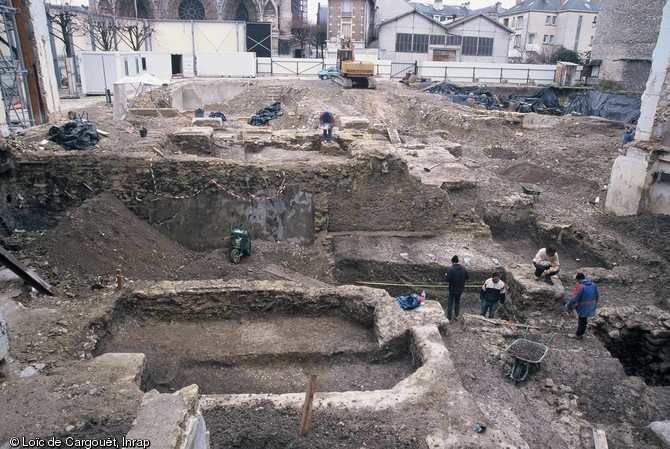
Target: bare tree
x=102, y=29
x=62, y=19
x=301, y=31
x=135, y=34
x=319, y=38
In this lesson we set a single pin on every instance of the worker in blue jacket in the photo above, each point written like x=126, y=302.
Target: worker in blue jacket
x=584, y=299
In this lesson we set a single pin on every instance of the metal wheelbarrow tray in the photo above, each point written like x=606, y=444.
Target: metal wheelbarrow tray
x=526, y=353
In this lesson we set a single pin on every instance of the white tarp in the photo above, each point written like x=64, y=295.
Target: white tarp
x=130, y=87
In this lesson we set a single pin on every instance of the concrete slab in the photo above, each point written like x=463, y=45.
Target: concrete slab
x=194, y=140
x=153, y=112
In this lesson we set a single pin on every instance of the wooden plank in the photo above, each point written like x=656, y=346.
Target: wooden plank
x=498, y=322
x=599, y=439
x=25, y=273
x=307, y=406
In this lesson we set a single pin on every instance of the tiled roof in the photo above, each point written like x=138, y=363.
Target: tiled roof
x=553, y=6
x=428, y=10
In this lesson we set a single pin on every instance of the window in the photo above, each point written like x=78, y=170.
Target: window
x=346, y=29
x=474, y=46
x=531, y=39
x=437, y=40
x=506, y=22
x=191, y=10
x=437, y=17
x=125, y=66
x=403, y=42
x=485, y=46
x=548, y=39
x=517, y=41
x=519, y=22
x=420, y=44
x=550, y=20
x=591, y=42
x=346, y=8
x=453, y=39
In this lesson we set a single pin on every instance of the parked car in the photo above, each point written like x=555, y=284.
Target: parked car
x=328, y=73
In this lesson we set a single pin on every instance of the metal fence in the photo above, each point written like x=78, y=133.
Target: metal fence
x=459, y=72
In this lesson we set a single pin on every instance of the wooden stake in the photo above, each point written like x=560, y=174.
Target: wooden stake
x=119, y=279
x=307, y=406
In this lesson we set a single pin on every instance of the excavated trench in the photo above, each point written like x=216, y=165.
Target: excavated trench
x=271, y=348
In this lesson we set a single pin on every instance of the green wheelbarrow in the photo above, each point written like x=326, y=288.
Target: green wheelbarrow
x=240, y=244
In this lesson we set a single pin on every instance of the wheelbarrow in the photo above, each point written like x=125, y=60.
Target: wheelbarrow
x=240, y=244
x=526, y=354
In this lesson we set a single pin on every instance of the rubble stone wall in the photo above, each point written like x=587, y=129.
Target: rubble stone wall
x=639, y=338
x=181, y=197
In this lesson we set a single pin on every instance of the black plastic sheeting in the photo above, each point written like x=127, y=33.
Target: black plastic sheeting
x=620, y=107
x=263, y=116
x=75, y=135
x=543, y=101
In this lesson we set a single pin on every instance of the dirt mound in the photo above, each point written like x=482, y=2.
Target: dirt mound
x=101, y=236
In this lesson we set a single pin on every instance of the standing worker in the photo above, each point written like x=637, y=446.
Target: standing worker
x=585, y=299
x=492, y=294
x=327, y=122
x=546, y=264
x=456, y=276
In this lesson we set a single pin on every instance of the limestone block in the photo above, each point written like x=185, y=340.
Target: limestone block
x=537, y=121
x=171, y=421
x=354, y=123
x=194, y=140
x=214, y=122
x=661, y=431
x=256, y=133
x=394, y=137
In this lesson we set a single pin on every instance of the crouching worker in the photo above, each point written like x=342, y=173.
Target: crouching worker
x=492, y=295
x=327, y=122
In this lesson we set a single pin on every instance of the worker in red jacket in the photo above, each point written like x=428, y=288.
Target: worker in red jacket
x=584, y=299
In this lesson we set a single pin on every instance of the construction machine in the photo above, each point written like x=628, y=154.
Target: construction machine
x=352, y=73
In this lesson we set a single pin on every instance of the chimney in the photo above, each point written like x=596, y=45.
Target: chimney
x=438, y=5
x=518, y=2
x=561, y=3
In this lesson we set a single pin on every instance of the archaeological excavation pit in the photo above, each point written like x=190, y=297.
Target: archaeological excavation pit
x=640, y=340
x=235, y=341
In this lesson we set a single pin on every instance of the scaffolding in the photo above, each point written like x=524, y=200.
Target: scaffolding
x=13, y=76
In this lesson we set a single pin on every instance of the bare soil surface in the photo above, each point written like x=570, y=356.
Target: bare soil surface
x=579, y=386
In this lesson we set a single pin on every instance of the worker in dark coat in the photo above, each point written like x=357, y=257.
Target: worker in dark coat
x=584, y=299
x=456, y=276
